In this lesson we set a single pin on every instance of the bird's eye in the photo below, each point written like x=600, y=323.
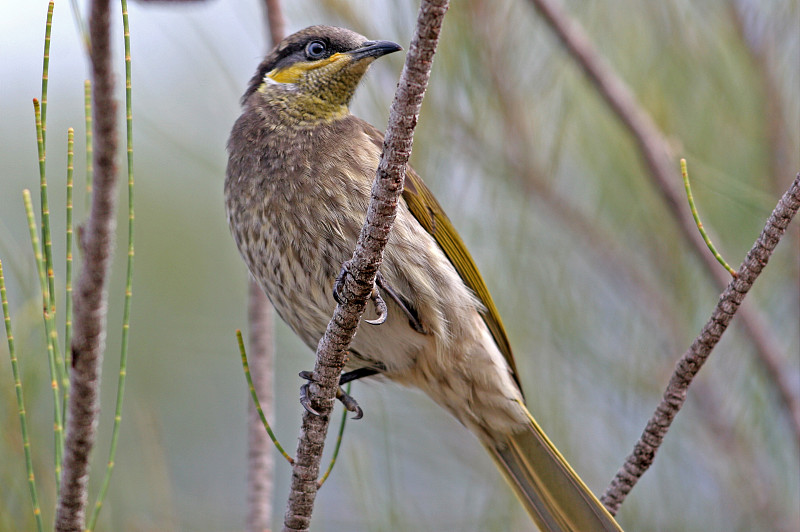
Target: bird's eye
x=315, y=50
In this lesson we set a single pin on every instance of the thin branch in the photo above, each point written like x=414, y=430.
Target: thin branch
x=275, y=21
x=693, y=359
x=656, y=152
x=362, y=268
x=260, y=460
x=96, y=241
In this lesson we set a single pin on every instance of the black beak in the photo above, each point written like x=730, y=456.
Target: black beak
x=374, y=49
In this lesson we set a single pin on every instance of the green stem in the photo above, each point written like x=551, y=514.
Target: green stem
x=687, y=186
x=68, y=283
x=50, y=309
x=46, y=66
x=41, y=135
x=37, y=254
x=253, y=394
x=23, y=420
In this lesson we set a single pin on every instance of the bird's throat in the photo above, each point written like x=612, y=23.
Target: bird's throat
x=300, y=108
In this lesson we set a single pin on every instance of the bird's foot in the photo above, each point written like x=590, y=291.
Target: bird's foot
x=375, y=296
x=350, y=404
x=380, y=307
x=338, y=284
x=305, y=400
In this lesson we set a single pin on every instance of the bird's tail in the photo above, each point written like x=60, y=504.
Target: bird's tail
x=552, y=493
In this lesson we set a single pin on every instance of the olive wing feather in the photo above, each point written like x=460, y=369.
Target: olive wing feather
x=426, y=209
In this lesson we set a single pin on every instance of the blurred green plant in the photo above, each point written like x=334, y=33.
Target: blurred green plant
x=23, y=420
x=56, y=368
x=43, y=257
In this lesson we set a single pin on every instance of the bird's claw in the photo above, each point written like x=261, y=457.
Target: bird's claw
x=305, y=400
x=338, y=284
x=413, y=319
x=375, y=296
x=380, y=307
x=350, y=404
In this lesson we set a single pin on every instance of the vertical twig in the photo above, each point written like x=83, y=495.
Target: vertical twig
x=126, y=312
x=366, y=260
x=96, y=241
x=693, y=359
x=276, y=23
x=260, y=460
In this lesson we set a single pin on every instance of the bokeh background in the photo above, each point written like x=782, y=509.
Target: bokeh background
x=597, y=289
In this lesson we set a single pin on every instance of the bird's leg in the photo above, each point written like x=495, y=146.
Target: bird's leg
x=356, y=374
x=350, y=404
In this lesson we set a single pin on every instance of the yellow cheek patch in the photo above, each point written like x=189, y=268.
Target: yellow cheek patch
x=295, y=72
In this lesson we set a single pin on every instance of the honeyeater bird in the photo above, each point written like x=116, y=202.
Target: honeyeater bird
x=298, y=184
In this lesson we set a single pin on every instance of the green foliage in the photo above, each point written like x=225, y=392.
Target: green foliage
x=43, y=256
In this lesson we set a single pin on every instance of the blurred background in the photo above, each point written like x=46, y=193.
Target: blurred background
x=599, y=291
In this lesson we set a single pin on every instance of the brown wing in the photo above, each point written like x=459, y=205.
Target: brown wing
x=431, y=216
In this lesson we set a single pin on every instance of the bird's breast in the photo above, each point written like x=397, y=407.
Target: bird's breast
x=296, y=198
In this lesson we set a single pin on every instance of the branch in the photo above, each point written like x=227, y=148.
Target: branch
x=260, y=461
x=88, y=341
x=362, y=268
x=656, y=152
x=693, y=359
x=275, y=21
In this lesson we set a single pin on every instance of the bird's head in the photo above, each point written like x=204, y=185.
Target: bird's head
x=316, y=70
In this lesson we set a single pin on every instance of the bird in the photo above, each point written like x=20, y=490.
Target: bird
x=298, y=179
